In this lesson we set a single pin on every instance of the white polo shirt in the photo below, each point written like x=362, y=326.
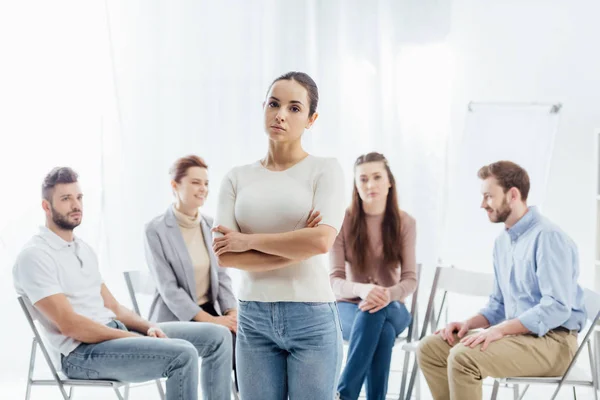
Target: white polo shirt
x=49, y=265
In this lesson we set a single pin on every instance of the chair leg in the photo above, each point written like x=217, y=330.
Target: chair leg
x=61, y=387
x=126, y=391
x=418, y=388
x=71, y=390
x=574, y=393
x=411, y=383
x=560, y=385
x=495, y=390
x=516, y=392
x=404, y=374
x=31, y=369
x=161, y=392
x=524, y=391
x=594, y=367
x=118, y=393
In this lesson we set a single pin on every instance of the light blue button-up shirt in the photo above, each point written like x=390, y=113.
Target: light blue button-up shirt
x=536, y=266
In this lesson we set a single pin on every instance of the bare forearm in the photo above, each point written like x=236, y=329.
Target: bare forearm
x=202, y=316
x=296, y=245
x=512, y=327
x=133, y=321
x=86, y=330
x=254, y=261
x=477, y=322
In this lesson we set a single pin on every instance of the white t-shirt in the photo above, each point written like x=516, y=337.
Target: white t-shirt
x=254, y=199
x=49, y=265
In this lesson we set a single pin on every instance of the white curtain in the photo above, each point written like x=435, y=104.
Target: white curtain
x=118, y=90
x=191, y=78
x=54, y=96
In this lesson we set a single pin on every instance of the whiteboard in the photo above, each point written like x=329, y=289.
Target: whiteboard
x=520, y=133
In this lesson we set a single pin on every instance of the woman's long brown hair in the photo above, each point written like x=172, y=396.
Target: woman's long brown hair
x=390, y=226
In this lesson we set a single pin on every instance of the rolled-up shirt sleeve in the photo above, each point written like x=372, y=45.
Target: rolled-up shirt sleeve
x=555, y=259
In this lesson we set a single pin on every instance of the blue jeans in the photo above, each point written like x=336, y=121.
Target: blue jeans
x=176, y=358
x=371, y=337
x=288, y=349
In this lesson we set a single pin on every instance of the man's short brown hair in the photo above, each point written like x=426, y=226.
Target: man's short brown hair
x=509, y=175
x=57, y=176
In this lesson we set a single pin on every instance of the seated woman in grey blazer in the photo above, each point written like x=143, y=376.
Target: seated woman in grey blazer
x=191, y=285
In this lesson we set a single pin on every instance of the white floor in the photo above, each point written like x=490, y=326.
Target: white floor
x=16, y=390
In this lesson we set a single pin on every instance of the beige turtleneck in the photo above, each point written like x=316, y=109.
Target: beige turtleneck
x=194, y=240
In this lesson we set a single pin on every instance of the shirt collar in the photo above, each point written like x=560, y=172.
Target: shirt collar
x=531, y=217
x=53, y=240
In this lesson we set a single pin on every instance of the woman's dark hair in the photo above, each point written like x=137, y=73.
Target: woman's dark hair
x=390, y=226
x=181, y=166
x=308, y=83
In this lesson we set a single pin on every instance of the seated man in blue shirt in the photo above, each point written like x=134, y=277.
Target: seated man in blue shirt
x=534, y=312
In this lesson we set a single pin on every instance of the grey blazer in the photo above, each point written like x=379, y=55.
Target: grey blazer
x=171, y=266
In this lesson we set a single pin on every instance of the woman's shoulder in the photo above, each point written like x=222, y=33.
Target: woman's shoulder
x=208, y=219
x=239, y=171
x=325, y=161
x=156, y=223
x=407, y=220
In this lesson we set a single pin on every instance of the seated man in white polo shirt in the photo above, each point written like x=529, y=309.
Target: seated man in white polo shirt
x=95, y=336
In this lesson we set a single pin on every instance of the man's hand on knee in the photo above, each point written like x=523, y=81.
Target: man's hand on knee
x=486, y=337
x=447, y=333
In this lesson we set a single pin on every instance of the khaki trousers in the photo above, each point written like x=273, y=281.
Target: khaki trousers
x=456, y=372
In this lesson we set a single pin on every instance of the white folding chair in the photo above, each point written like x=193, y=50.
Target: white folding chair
x=141, y=282
x=446, y=280
x=412, y=331
x=573, y=376
x=32, y=315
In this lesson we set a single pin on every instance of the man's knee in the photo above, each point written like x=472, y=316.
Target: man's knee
x=432, y=350
x=428, y=346
x=186, y=351
x=462, y=357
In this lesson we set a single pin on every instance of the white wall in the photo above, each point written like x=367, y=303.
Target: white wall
x=539, y=51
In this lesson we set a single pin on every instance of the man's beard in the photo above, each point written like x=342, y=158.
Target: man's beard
x=502, y=213
x=62, y=221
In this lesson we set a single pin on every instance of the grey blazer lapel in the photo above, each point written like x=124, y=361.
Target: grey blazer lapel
x=214, y=265
x=175, y=238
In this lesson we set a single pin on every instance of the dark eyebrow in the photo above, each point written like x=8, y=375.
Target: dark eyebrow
x=292, y=101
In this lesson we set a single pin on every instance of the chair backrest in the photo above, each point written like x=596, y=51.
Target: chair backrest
x=139, y=282
x=592, y=305
x=592, y=308
x=464, y=282
x=32, y=315
x=414, y=307
x=454, y=280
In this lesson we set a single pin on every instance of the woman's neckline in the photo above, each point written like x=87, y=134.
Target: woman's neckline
x=288, y=168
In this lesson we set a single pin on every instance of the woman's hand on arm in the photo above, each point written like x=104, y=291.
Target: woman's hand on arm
x=237, y=242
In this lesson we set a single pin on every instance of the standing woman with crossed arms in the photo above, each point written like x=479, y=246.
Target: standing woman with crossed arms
x=289, y=335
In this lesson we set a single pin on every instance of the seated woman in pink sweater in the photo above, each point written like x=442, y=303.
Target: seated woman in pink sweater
x=373, y=269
